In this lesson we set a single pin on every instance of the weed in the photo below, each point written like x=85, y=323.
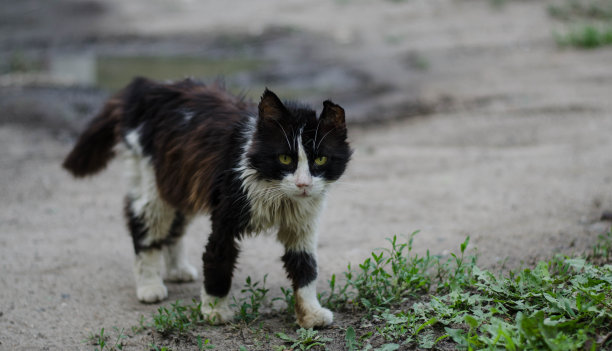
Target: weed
x=289, y=299
x=335, y=299
x=158, y=348
x=248, y=307
x=589, y=23
x=177, y=318
x=171, y=319
x=204, y=344
x=306, y=339
x=602, y=250
x=351, y=340
x=388, y=279
x=101, y=340
x=454, y=273
x=417, y=61
x=136, y=329
x=586, y=36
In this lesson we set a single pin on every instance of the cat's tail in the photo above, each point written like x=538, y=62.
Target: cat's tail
x=95, y=147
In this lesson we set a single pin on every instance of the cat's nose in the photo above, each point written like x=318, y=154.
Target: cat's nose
x=302, y=185
x=303, y=179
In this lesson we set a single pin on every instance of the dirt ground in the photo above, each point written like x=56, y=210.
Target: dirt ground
x=515, y=150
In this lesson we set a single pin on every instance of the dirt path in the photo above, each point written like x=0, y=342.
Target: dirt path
x=521, y=161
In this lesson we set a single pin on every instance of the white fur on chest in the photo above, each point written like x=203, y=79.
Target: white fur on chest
x=270, y=208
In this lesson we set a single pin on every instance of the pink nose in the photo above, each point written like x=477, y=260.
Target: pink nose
x=302, y=185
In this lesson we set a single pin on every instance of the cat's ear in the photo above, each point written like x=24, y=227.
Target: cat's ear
x=332, y=114
x=270, y=106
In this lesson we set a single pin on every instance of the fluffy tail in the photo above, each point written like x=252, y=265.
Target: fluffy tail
x=94, y=149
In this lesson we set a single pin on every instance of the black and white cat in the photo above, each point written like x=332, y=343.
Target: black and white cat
x=195, y=148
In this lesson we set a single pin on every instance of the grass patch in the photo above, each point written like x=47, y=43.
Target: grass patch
x=396, y=299
x=588, y=23
x=306, y=339
x=561, y=304
x=105, y=342
x=587, y=36
x=249, y=306
x=177, y=318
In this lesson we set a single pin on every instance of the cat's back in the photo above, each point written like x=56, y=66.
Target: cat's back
x=191, y=132
x=179, y=108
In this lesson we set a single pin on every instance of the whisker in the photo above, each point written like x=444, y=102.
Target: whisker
x=286, y=137
x=314, y=150
x=320, y=141
x=294, y=136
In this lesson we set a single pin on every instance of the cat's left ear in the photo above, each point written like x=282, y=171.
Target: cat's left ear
x=270, y=106
x=332, y=114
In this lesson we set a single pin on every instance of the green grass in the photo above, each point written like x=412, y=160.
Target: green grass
x=561, y=304
x=306, y=339
x=397, y=299
x=586, y=36
x=248, y=306
x=393, y=275
x=101, y=339
x=177, y=318
x=587, y=23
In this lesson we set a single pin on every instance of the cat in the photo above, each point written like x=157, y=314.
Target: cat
x=195, y=148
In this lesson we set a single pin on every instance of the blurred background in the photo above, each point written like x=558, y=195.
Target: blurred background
x=384, y=60
x=483, y=118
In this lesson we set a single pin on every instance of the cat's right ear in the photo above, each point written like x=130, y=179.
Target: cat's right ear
x=270, y=107
x=333, y=115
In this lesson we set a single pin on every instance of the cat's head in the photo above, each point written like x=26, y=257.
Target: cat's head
x=297, y=152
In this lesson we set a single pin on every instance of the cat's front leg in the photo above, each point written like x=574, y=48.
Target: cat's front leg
x=301, y=265
x=219, y=261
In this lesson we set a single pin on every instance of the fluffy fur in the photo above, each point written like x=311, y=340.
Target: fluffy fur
x=194, y=149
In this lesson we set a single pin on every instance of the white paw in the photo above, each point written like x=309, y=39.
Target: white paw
x=183, y=273
x=319, y=317
x=152, y=293
x=216, y=310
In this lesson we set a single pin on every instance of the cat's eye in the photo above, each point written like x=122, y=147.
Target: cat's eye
x=284, y=159
x=321, y=160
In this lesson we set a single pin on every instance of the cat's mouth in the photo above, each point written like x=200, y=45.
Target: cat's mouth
x=303, y=193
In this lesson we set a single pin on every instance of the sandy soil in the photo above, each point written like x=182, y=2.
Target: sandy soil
x=517, y=155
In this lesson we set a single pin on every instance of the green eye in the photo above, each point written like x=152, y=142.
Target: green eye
x=285, y=159
x=320, y=161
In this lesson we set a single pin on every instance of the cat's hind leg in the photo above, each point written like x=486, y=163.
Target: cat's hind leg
x=178, y=268
x=149, y=221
